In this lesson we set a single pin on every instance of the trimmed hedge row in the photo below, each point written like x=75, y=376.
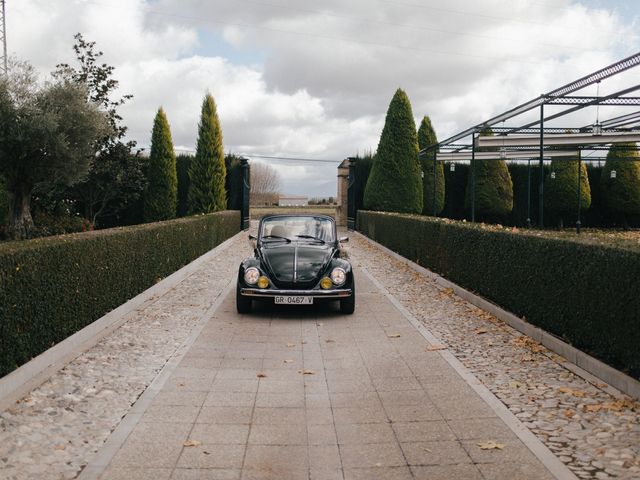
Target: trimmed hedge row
x=586, y=294
x=52, y=287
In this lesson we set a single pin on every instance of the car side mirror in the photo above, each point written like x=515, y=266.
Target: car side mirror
x=343, y=239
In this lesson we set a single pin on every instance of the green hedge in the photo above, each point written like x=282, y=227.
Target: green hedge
x=52, y=287
x=586, y=294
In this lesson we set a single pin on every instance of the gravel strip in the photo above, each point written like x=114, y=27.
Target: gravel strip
x=54, y=431
x=595, y=434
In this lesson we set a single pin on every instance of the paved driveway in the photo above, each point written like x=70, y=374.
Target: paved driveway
x=288, y=393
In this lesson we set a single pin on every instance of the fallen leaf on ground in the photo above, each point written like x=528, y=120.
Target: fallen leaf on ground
x=481, y=331
x=180, y=385
x=571, y=391
x=191, y=443
x=261, y=375
x=288, y=360
x=491, y=445
x=330, y=340
x=60, y=447
x=528, y=343
x=291, y=344
x=437, y=346
x=307, y=372
x=319, y=324
x=515, y=384
x=394, y=335
x=569, y=413
x=527, y=358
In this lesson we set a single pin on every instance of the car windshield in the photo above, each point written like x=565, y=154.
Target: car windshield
x=313, y=229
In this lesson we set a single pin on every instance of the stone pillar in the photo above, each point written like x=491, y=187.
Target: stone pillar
x=343, y=183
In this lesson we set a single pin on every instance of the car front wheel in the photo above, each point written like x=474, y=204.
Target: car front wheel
x=348, y=305
x=243, y=304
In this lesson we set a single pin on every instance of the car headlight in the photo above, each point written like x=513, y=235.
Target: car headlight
x=251, y=275
x=263, y=282
x=338, y=276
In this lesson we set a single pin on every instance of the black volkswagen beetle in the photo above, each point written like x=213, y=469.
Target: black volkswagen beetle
x=296, y=262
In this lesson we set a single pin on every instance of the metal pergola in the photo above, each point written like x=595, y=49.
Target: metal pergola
x=535, y=141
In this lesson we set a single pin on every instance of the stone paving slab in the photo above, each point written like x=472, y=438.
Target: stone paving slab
x=288, y=393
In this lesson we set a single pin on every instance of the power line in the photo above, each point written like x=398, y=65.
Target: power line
x=272, y=157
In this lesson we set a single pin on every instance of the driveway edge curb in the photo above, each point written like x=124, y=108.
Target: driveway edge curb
x=558, y=469
x=25, y=378
x=582, y=364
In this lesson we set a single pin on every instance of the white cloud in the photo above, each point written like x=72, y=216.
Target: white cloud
x=326, y=72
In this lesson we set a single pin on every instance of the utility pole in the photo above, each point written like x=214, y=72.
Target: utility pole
x=3, y=36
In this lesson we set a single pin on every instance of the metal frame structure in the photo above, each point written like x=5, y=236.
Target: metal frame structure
x=518, y=142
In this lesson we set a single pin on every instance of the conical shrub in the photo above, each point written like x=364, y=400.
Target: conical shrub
x=561, y=190
x=207, y=173
x=431, y=205
x=395, y=183
x=493, y=188
x=621, y=194
x=161, y=195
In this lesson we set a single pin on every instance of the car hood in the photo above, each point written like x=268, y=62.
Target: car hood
x=295, y=263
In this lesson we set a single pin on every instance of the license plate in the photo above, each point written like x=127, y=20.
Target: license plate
x=295, y=300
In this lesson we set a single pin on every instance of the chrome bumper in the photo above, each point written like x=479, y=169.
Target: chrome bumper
x=270, y=293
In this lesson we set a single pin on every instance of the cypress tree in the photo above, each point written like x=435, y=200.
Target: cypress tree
x=426, y=137
x=207, y=173
x=621, y=195
x=493, y=188
x=561, y=189
x=160, y=200
x=395, y=184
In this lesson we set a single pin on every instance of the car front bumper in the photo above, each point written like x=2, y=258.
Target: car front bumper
x=270, y=293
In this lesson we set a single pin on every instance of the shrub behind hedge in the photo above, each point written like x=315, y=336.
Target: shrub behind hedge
x=52, y=287
x=588, y=295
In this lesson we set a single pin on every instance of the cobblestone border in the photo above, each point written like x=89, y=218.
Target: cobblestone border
x=558, y=469
x=578, y=362
x=25, y=378
x=101, y=461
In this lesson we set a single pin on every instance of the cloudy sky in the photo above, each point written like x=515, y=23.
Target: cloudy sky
x=313, y=80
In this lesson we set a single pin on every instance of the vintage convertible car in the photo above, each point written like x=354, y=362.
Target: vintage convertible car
x=296, y=261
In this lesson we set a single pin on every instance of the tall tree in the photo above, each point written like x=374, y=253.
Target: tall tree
x=115, y=179
x=561, y=189
x=207, y=172
x=621, y=192
x=46, y=134
x=161, y=196
x=395, y=183
x=431, y=204
x=493, y=187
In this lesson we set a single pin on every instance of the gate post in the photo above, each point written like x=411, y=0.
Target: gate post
x=246, y=189
x=351, y=195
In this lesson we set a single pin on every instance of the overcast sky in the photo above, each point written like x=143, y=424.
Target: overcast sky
x=314, y=79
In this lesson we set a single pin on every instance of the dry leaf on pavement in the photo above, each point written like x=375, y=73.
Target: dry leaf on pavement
x=291, y=345
x=394, y=335
x=435, y=347
x=288, y=360
x=481, y=331
x=191, y=443
x=491, y=445
x=261, y=375
x=307, y=372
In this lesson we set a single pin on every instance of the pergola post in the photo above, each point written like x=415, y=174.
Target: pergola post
x=529, y=193
x=473, y=177
x=541, y=171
